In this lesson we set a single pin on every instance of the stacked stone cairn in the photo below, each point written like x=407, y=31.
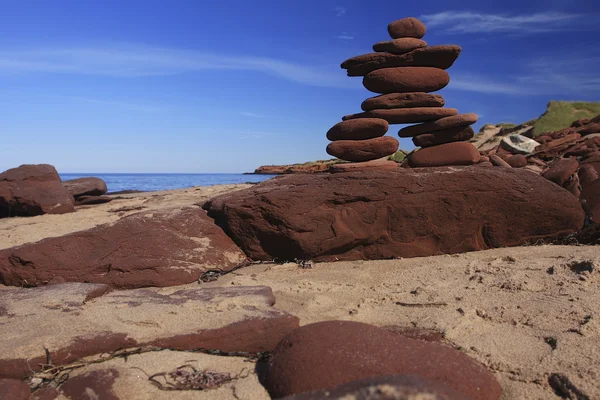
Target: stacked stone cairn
x=404, y=71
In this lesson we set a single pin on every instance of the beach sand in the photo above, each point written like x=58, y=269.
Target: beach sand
x=527, y=313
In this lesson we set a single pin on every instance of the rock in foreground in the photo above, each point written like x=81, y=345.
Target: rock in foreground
x=395, y=213
x=164, y=248
x=33, y=190
x=347, y=351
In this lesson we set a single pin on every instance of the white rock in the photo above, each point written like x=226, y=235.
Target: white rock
x=519, y=144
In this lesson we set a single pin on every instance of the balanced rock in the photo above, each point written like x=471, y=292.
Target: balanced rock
x=407, y=27
x=519, y=144
x=86, y=187
x=456, y=153
x=379, y=214
x=461, y=120
x=363, y=150
x=403, y=100
x=459, y=134
x=405, y=115
x=414, y=79
x=392, y=387
x=348, y=351
x=399, y=46
x=358, y=129
x=154, y=248
x=433, y=56
x=33, y=190
x=560, y=172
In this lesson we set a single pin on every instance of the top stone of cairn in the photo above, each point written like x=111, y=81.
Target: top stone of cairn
x=407, y=28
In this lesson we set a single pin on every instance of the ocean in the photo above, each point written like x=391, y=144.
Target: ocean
x=153, y=182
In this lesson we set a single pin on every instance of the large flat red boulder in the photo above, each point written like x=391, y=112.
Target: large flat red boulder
x=432, y=56
x=455, y=121
x=86, y=187
x=33, y=190
x=444, y=136
x=75, y=320
x=400, y=80
x=405, y=115
x=154, y=248
x=363, y=150
x=348, y=351
x=395, y=213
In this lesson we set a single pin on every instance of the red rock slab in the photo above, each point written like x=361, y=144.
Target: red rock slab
x=573, y=185
x=100, y=383
x=499, y=162
x=406, y=79
x=74, y=320
x=456, y=153
x=587, y=174
x=568, y=139
x=590, y=194
x=433, y=56
x=33, y=190
x=371, y=215
x=391, y=387
x=589, y=129
x=86, y=187
x=363, y=150
x=403, y=100
x=358, y=129
x=459, y=134
x=363, y=166
x=348, y=351
x=517, y=161
x=399, y=46
x=92, y=200
x=154, y=248
x=455, y=121
x=14, y=389
x=407, y=27
x=405, y=115
x=561, y=171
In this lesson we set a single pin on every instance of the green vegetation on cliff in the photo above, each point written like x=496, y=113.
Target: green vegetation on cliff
x=560, y=115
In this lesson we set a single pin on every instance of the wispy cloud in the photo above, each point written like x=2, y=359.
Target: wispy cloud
x=139, y=61
x=251, y=114
x=573, y=75
x=345, y=36
x=471, y=22
x=339, y=11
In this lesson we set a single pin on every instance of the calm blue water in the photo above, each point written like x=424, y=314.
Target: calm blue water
x=152, y=182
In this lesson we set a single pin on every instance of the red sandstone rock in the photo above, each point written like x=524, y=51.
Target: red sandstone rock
x=100, y=383
x=407, y=27
x=589, y=129
x=86, y=187
x=14, y=389
x=76, y=320
x=349, y=351
x=358, y=129
x=33, y=190
x=379, y=214
x=90, y=200
x=405, y=115
x=154, y=248
x=403, y=100
x=517, y=161
x=459, y=134
x=560, y=171
x=461, y=120
x=413, y=79
x=433, y=56
x=573, y=186
x=499, y=162
x=363, y=166
x=587, y=174
x=393, y=387
x=591, y=200
x=456, y=153
x=399, y=46
x=363, y=150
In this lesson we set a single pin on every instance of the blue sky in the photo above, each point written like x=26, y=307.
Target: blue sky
x=199, y=86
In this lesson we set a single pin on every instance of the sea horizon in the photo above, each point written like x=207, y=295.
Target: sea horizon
x=155, y=181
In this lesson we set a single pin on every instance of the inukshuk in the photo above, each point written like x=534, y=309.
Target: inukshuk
x=405, y=71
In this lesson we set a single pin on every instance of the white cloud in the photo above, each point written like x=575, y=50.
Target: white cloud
x=345, y=36
x=471, y=22
x=251, y=114
x=340, y=11
x=138, y=61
